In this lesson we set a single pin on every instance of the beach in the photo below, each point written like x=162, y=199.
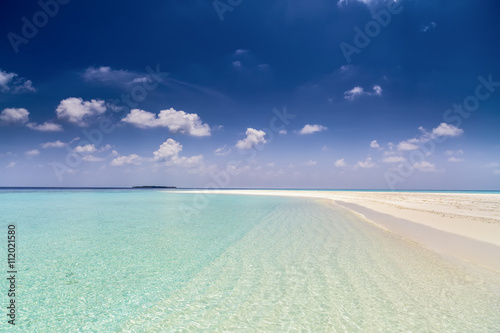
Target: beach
x=460, y=225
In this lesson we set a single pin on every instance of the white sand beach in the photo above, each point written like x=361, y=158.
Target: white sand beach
x=461, y=225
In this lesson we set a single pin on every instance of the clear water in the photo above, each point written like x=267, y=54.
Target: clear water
x=128, y=261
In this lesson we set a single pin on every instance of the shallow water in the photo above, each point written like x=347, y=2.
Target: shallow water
x=109, y=260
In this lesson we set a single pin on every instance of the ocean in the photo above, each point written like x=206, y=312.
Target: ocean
x=113, y=260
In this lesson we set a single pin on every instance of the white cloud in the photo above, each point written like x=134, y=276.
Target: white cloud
x=106, y=147
x=185, y=162
x=425, y=166
x=340, y=163
x=445, y=129
x=282, y=132
x=354, y=93
x=45, y=127
x=270, y=164
x=33, y=152
x=106, y=74
x=176, y=121
x=54, y=144
x=253, y=138
x=222, y=151
x=310, y=129
x=406, y=145
x=496, y=172
x=377, y=90
x=11, y=82
x=14, y=116
x=168, y=149
x=240, y=51
x=367, y=164
x=77, y=111
x=124, y=160
x=237, y=64
x=92, y=158
x=427, y=27
x=11, y=165
x=310, y=163
x=169, y=152
x=358, y=91
x=87, y=149
x=393, y=159
x=455, y=159
x=374, y=144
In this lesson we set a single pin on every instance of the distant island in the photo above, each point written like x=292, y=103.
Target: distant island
x=154, y=187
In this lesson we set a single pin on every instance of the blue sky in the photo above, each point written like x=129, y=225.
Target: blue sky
x=347, y=94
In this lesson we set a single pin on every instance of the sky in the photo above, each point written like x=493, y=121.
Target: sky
x=349, y=94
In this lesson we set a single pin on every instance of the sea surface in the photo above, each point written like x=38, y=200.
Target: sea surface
x=153, y=261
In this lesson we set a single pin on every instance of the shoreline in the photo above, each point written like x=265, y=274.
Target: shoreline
x=461, y=225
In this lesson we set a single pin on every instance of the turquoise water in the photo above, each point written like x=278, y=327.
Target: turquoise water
x=132, y=261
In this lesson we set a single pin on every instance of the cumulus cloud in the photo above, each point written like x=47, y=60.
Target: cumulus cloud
x=253, y=138
x=367, y=164
x=455, y=159
x=445, y=129
x=282, y=132
x=11, y=165
x=92, y=158
x=87, y=149
x=126, y=160
x=310, y=129
x=222, y=151
x=393, y=159
x=33, y=152
x=340, y=163
x=14, y=116
x=374, y=144
x=45, y=127
x=407, y=145
x=13, y=83
x=168, y=149
x=169, y=153
x=176, y=121
x=358, y=91
x=54, y=144
x=237, y=64
x=425, y=166
x=77, y=111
